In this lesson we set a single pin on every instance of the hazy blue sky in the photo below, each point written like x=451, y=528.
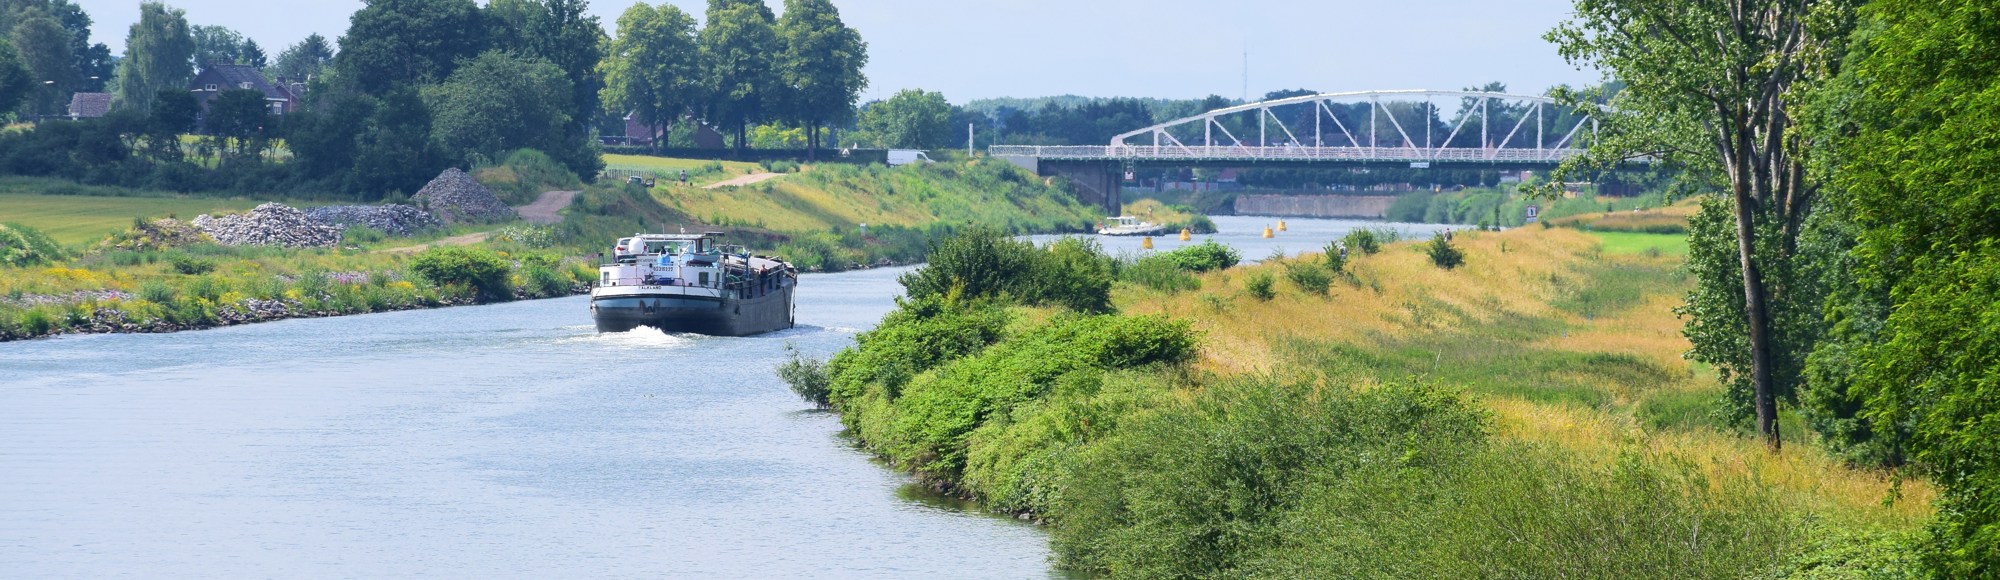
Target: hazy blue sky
x=1151, y=48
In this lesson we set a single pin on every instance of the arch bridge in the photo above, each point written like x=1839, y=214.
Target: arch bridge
x=1473, y=130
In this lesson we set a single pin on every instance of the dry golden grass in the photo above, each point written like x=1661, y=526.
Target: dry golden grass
x=1398, y=297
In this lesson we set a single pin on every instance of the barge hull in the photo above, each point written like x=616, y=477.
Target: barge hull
x=695, y=314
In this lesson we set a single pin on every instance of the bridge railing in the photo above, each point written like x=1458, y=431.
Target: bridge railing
x=1283, y=153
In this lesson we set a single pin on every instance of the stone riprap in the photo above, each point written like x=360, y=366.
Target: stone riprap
x=455, y=199
x=394, y=219
x=270, y=224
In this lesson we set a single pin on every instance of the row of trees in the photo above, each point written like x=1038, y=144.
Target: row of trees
x=46, y=54
x=745, y=67
x=1848, y=266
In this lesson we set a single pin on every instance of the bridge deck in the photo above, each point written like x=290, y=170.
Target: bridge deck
x=1292, y=153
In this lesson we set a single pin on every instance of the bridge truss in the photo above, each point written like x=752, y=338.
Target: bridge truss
x=1402, y=126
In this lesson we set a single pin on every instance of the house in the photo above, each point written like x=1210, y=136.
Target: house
x=638, y=133
x=89, y=105
x=282, y=98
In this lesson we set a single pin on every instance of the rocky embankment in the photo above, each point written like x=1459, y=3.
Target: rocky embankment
x=455, y=199
x=452, y=198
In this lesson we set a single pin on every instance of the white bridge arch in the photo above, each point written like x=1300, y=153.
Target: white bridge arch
x=1400, y=126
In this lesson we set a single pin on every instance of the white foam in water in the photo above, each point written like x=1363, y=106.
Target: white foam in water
x=641, y=338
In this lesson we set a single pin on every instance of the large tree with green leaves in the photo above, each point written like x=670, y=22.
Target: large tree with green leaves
x=239, y=123
x=652, y=70
x=563, y=33
x=821, y=67
x=215, y=45
x=1923, y=172
x=14, y=80
x=914, y=118
x=500, y=102
x=1710, y=89
x=304, y=60
x=45, y=49
x=158, y=53
x=392, y=43
x=739, y=48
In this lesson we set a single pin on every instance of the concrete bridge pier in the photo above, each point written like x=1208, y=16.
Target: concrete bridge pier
x=1096, y=182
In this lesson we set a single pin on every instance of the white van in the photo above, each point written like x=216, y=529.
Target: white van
x=900, y=157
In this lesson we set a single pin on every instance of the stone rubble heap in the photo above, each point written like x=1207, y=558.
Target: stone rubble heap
x=395, y=220
x=270, y=224
x=455, y=198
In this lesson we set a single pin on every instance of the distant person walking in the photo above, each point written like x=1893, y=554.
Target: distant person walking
x=684, y=178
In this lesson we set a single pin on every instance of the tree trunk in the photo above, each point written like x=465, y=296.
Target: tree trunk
x=1756, y=302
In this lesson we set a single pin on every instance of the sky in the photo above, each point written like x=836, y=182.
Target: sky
x=1099, y=48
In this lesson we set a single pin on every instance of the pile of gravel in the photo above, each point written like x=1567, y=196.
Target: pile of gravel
x=270, y=224
x=395, y=220
x=455, y=198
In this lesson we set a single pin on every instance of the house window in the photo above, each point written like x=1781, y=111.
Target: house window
x=243, y=85
x=211, y=87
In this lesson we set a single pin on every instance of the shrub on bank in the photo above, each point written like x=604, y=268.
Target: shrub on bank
x=482, y=271
x=23, y=246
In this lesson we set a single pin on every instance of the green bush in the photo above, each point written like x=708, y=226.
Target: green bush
x=479, y=270
x=983, y=263
x=157, y=292
x=807, y=377
x=1160, y=272
x=779, y=166
x=1336, y=257
x=542, y=281
x=1259, y=285
x=1443, y=253
x=1364, y=240
x=1310, y=278
x=362, y=235
x=23, y=246
x=190, y=265
x=1205, y=256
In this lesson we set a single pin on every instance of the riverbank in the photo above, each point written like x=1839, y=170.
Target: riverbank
x=1526, y=413
x=141, y=280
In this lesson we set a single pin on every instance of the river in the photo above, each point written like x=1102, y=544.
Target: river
x=508, y=440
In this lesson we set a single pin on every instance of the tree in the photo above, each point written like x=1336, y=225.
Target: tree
x=215, y=45
x=737, y=51
x=304, y=60
x=912, y=119
x=652, y=69
x=14, y=80
x=174, y=112
x=821, y=67
x=500, y=102
x=238, y=123
x=563, y=33
x=44, y=47
x=393, y=153
x=1710, y=90
x=253, y=55
x=392, y=43
x=1924, y=181
x=157, y=55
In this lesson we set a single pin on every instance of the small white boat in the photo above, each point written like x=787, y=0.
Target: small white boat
x=1130, y=226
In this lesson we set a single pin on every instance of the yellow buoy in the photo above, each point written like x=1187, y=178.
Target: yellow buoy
x=1281, y=225
x=1267, y=233
x=1146, y=243
x=1186, y=234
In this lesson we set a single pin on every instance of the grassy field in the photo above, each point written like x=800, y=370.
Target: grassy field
x=841, y=197
x=1625, y=243
x=76, y=220
x=1568, y=337
x=701, y=172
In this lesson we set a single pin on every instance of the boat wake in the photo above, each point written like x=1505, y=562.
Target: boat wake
x=641, y=338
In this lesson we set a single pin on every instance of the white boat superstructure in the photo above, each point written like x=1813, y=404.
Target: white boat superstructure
x=1129, y=226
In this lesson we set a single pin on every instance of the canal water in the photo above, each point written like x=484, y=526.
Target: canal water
x=508, y=440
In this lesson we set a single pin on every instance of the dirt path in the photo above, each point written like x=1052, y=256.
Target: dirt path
x=465, y=240
x=744, y=180
x=547, y=209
